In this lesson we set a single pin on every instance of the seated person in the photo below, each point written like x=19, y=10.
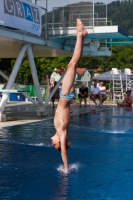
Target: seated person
x=56, y=94
x=95, y=93
x=127, y=101
x=103, y=91
x=83, y=94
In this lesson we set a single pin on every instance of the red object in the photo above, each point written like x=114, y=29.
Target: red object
x=80, y=70
x=129, y=104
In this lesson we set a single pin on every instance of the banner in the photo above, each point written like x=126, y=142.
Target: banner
x=21, y=15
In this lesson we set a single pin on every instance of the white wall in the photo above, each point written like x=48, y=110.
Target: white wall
x=1, y=86
x=55, y=76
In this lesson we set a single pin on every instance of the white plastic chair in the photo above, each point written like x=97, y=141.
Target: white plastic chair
x=127, y=71
x=114, y=71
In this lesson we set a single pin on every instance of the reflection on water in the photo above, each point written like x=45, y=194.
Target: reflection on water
x=101, y=153
x=61, y=191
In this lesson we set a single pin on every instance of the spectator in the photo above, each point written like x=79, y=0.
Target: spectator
x=95, y=93
x=56, y=94
x=127, y=101
x=103, y=91
x=83, y=94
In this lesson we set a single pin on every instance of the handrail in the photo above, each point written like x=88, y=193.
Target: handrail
x=46, y=34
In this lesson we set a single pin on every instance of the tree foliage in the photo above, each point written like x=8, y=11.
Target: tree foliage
x=44, y=66
x=122, y=57
x=119, y=12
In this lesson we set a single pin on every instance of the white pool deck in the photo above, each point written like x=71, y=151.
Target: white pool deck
x=23, y=113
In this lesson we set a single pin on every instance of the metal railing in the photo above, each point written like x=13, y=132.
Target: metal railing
x=66, y=16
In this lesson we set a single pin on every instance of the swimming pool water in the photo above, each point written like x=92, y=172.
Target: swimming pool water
x=100, y=157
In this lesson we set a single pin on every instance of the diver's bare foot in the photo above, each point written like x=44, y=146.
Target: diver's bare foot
x=80, y=28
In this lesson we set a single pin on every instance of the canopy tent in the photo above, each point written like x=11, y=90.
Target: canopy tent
x=107, y=76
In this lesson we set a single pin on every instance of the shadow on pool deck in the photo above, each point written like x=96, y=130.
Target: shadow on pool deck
x=21, y=113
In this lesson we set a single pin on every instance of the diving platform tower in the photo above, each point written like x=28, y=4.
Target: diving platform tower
x=25, y=34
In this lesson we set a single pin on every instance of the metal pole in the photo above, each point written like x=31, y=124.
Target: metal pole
x=53, y=91
x=47, y=4
x=35, y=76
x=53, y=19
x=16, y=86
x=63, y=17
x=12, y=77
x=106, y=15
x=113, y=88
x=126, y=82
x=93, y=13
x=46, y=27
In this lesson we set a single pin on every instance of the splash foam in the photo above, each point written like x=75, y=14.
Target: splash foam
x=40, y=145
x=72, y=167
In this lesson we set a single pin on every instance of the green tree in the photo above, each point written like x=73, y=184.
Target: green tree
x=44, y=66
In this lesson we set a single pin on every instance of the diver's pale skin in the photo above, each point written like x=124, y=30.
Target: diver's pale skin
x=62, y=114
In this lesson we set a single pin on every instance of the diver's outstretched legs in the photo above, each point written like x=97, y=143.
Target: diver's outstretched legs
x=68, y=81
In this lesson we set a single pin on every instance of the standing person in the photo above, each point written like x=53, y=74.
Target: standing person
x=67, y=93
x=56, y=94
x=103, y=91
x=95, y=93
x=127, y=101
x=83, y=94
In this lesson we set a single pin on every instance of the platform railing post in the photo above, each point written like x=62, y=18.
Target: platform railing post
x=46, y=26
x=35, y=80
x=12, y=77
x=93, y=14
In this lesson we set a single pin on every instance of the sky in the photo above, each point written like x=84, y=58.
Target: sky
x=58, y=3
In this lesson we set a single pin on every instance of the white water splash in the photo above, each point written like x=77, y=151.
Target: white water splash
x=39, y=145
x=72, y=167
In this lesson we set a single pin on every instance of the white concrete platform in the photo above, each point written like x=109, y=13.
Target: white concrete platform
x=12, y=40
x=98, y=32
x=23, y=113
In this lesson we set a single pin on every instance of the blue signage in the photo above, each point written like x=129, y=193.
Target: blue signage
x=21, y=14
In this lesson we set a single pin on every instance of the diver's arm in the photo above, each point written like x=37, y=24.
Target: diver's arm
x=64, y=152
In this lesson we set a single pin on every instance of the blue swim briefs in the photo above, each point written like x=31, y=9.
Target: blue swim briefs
x=67, y=96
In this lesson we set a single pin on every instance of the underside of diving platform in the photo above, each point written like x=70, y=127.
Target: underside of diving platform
x=60, y=41
x=11, y=42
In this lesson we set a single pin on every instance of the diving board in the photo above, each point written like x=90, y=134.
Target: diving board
x=14, y=91
x=96, y=32
x=67, y=36
x=11, y=42
x=56, y=44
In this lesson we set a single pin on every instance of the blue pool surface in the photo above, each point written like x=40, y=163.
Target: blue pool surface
x=100, y=158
